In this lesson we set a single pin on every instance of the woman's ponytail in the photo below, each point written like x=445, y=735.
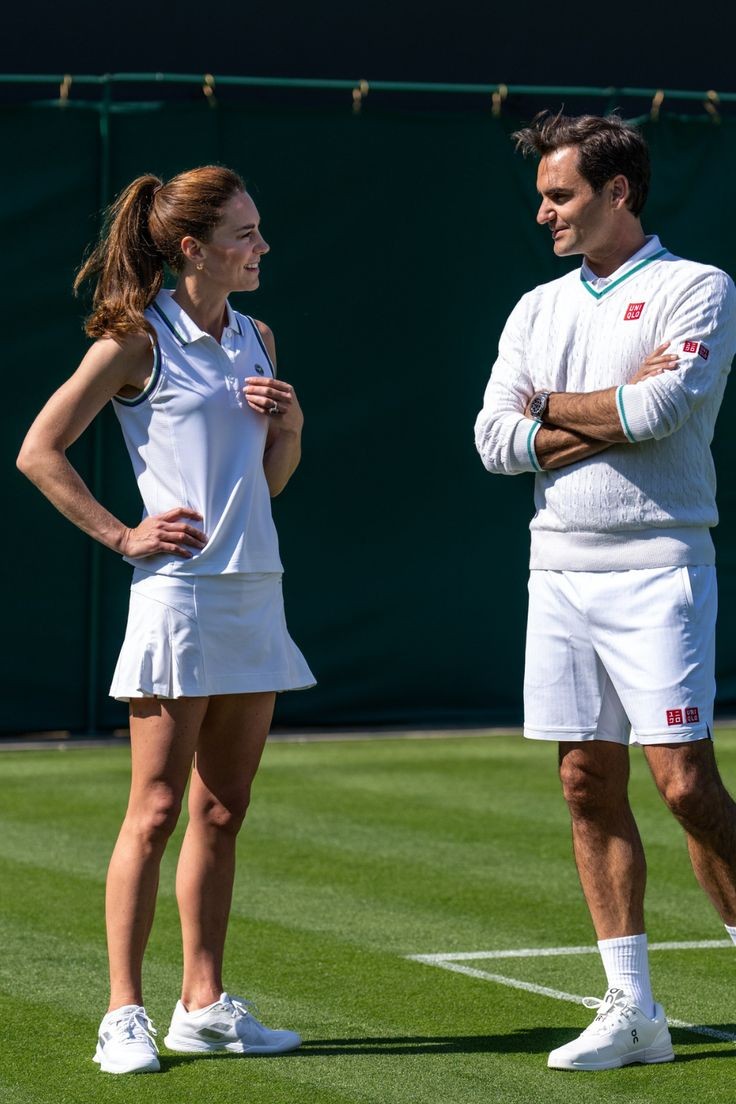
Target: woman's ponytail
x=127, y=266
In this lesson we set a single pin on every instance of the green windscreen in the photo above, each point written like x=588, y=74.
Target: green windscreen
x=400, y=241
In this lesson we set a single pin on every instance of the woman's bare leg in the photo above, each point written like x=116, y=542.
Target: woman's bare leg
x=163, y=738
x=229, y=751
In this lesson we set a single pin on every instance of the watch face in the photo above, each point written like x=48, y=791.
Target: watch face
x=538, y=405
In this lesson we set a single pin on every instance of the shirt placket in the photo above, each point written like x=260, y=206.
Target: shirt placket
x=234, y=384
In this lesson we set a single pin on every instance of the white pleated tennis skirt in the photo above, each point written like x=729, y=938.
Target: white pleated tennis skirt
x=194, y=636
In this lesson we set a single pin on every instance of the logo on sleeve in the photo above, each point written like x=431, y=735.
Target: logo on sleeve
x=696, y=347
x=633, y=311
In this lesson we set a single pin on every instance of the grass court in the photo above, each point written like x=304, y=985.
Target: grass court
x=356, y=856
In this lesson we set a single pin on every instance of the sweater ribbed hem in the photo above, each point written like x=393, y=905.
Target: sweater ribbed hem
x=622, y=551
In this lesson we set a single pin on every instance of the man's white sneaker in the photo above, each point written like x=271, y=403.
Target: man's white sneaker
x=125, y=1042
x=619, y=1035
x=229, y=1025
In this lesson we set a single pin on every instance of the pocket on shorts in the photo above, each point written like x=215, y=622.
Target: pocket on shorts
x=687, y=588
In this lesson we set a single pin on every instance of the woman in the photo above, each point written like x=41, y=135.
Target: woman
x=211, y=434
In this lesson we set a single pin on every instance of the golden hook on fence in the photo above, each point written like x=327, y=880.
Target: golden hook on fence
x=65, y=88
x=657, y=102
x=209, y=89
x=710, y=105
x=359, y=94
x=497, y=99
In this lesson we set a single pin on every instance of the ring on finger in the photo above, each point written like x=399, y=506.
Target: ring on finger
x=274, y=409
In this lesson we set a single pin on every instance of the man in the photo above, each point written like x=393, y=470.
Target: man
x=607, y=385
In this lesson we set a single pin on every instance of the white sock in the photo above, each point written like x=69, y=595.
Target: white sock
x=626, y=962
x=731, y=932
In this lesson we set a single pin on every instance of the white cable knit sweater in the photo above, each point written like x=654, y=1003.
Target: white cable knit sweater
x=649, y=502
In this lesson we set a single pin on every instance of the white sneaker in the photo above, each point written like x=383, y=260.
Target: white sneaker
x=619, y=1035
x=228, y=1024
x=125, y=1043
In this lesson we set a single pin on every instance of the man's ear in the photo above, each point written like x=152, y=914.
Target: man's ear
x=619, y=190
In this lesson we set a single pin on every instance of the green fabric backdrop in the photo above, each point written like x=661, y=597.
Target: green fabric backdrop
x=400, y=242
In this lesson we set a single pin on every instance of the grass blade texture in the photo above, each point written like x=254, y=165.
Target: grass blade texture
x=357, y=854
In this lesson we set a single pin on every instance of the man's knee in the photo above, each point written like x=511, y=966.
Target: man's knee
x=690, y=783
x=693, y=797
x=590, y=784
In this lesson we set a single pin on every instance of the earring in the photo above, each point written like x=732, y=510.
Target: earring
x=200, y=266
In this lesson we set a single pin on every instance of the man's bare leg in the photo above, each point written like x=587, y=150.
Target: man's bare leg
x=606, y=841
x=688, y=779
x=630, y=1027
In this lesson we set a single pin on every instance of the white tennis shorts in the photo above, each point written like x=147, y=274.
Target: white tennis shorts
x=193, y=636
x=624, y=656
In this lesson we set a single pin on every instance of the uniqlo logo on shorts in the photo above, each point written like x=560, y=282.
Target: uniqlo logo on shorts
x=690, y=346
x=633, y=311
x=674, y=716
x=703, y=351
x=691, y=716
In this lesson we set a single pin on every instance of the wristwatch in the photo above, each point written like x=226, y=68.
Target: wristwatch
x=538, y=405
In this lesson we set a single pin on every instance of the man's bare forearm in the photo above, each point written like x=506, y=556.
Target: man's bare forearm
x=556, y=448
x=593, y=415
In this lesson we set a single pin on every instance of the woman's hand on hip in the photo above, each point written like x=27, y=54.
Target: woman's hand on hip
x=167, y=532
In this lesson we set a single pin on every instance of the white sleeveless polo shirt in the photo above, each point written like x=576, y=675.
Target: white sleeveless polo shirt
x=194, y=441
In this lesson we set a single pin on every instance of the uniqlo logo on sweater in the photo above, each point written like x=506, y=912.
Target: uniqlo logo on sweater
x=691, y=716
x=696, y=347
x=633, y=311
x=674, y=716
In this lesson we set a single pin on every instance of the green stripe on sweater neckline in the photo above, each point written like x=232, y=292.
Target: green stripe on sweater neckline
x=626, y=275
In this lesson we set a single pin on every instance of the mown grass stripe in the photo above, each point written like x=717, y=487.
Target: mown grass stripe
x=354, y=854
x=560, y=995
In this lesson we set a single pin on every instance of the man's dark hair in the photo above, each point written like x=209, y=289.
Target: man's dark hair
x=606, y=147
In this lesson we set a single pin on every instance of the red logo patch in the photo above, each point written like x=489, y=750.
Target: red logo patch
x=674, y=716
x=696, y=347
x=691, y=716
x=633, y=311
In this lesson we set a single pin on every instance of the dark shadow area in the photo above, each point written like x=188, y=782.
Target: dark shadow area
x=525, y=1041
x=532, y=1040
x=682, y=1037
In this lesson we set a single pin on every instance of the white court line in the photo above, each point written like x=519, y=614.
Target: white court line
x=544, y=952
x=452, y=962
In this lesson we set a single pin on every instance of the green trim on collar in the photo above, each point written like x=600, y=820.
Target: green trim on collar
x=626, y=275
x=622, y=415
x=530, y=446
x=175, y=332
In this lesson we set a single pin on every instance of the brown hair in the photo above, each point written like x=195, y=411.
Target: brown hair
x=142, y=233
x=606, y=147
